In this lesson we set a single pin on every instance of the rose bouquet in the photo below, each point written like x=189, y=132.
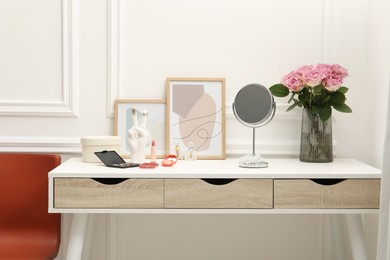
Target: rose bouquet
x=318, y=88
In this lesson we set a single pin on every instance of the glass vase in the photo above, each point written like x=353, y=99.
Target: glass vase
x=316, y=138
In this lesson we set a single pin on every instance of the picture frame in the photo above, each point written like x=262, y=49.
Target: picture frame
x=196, y=117
x=156, y=123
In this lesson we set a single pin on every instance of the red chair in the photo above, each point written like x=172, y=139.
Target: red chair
x=27, y=230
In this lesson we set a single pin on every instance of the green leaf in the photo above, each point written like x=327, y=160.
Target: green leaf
x=342, y=90
x=317, y=100
x=293, y=106
x=342, y=108
x=325, y=113
x=304, y=97
x=326, y=99
x=317, y=90
x=296, y=100
x=338, y=98
x=279, y=90
x=291, y=98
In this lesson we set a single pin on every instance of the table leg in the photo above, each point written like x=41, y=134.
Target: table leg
x=338, y=250
x=356, y=236
x=89, y=235
x=76, y=238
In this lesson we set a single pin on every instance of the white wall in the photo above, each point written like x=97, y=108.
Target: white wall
x=64, y=62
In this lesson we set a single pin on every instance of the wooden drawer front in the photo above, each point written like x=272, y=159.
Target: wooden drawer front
x=197, y=193
x=88, y=193
x=303, y=193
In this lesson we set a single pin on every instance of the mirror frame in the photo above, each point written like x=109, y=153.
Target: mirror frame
x=266, y=119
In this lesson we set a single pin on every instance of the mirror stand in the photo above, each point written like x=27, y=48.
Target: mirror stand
x=253, y=160
x=253, y=107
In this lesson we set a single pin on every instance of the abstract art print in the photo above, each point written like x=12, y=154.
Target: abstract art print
x=155, y=123
x=196, y=116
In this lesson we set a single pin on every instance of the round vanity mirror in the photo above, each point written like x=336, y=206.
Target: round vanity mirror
x=254, y=106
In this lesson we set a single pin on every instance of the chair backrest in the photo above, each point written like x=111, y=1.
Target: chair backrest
x=24, y=195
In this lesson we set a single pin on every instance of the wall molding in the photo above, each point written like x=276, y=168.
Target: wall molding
x=113, y=54
x=68, y=106
x=71, y=145
x=70, y=62
x=327, y=30
x=63, y=145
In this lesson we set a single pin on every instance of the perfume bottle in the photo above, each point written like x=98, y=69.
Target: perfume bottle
x=191, y=153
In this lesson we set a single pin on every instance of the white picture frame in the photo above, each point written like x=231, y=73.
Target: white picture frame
x=156, y=123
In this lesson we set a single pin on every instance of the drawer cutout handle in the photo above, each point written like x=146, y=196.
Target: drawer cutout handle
x=109, y=181
x=218, y=181
x=327, y=182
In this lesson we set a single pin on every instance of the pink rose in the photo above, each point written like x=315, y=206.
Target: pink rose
x=294, y=81
x=312, y=76
x=325, y=69
x=332, y=84
x=335, y=77
x=339, y=71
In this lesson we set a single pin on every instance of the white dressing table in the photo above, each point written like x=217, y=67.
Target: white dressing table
x=287, y=186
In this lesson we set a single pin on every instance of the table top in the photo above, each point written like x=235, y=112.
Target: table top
x=278, y=168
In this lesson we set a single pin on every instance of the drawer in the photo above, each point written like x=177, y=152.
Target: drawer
x=218, y=193
x=304, y=193
x=90, y=193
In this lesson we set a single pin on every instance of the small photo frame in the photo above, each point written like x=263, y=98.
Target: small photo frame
x=196, y=117
x=156, y=123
